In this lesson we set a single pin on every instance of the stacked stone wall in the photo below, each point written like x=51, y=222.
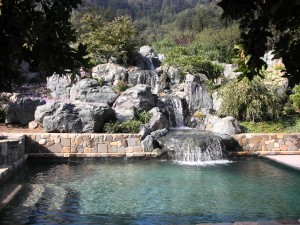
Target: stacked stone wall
x=268, y=144
x=85, y=145
x=12, y=149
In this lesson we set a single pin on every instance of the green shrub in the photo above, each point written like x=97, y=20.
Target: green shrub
x=99, y=80
x=132, y=126
x=193, y=64
x=295, y=98
x=284, y=124
x=143, y=116
x=121, y=86
x=112, y=127
x=252, y=101
x=216, y=44
x=211, y=44
x=209, y=84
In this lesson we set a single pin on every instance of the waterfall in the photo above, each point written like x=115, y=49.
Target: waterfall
x=175, y=110
x=193, y=146
x=209, y=150
x=148, y=77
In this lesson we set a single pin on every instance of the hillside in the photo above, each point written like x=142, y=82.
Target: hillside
x=156, y=19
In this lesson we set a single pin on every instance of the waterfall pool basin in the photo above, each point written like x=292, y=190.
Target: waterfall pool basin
x=152, y=192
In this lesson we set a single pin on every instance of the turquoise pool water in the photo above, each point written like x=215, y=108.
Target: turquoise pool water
x=153, y=192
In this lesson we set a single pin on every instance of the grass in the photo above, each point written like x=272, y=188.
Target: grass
x=286, y=124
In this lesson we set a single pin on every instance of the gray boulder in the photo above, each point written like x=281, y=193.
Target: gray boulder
x=123, y=115
x=136, y=98
x=73, y=118
x=198, y=97
x=226, y=125
x=148, y=144
x=174, y=75
x=159, y=133
x=60, y=85
x=147, y=59
x=217, y=101
x=229, y=70
x=109, y=72
x=144, y=132
x=147, y=51
x=88, y=90
x=158, y=121
x=21, y=109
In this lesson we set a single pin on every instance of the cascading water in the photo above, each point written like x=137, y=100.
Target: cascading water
x=191, y=146
x=175, y=111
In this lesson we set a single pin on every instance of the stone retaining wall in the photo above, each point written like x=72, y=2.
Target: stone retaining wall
x=268, y=144
x=12, y=148
x=85, y=145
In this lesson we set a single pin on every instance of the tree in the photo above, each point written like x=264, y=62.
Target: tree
x=262, y=20
x=117, y=38
x=39, y=32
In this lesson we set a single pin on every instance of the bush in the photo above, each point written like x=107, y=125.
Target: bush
x=216, y=44
x=295, y=98
x=211, y=44
x=144, y=116
x=99, y=80
x=285, y=124
x=250, y=101
x=192, y=64
x=121, y=86
x=132, y=126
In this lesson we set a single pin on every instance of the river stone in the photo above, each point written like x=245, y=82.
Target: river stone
x=73, y=118
x=88, y=90
x=109, y=72
x=226, y=125
x=21, y=109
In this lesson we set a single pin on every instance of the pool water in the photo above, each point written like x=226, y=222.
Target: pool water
x=153, y=192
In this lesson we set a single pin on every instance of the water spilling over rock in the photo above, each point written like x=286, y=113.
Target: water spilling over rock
x=193, y=146
x=175, y=111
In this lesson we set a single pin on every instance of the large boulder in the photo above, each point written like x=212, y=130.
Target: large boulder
x=158, y=121
x=148, y=144
x=226, y=125
x=110, y=72
x=74, y=118
x=21, y=109
x=217, y=101
x=137, y=98
x=147, y=59
x=148, y=77
x=88, y=90
x=147, y=51
x=198, y=97
x=229, y=71
x=60, y=85
x=174, y=74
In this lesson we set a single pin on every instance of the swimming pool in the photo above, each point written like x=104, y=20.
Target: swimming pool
x=153, y=192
